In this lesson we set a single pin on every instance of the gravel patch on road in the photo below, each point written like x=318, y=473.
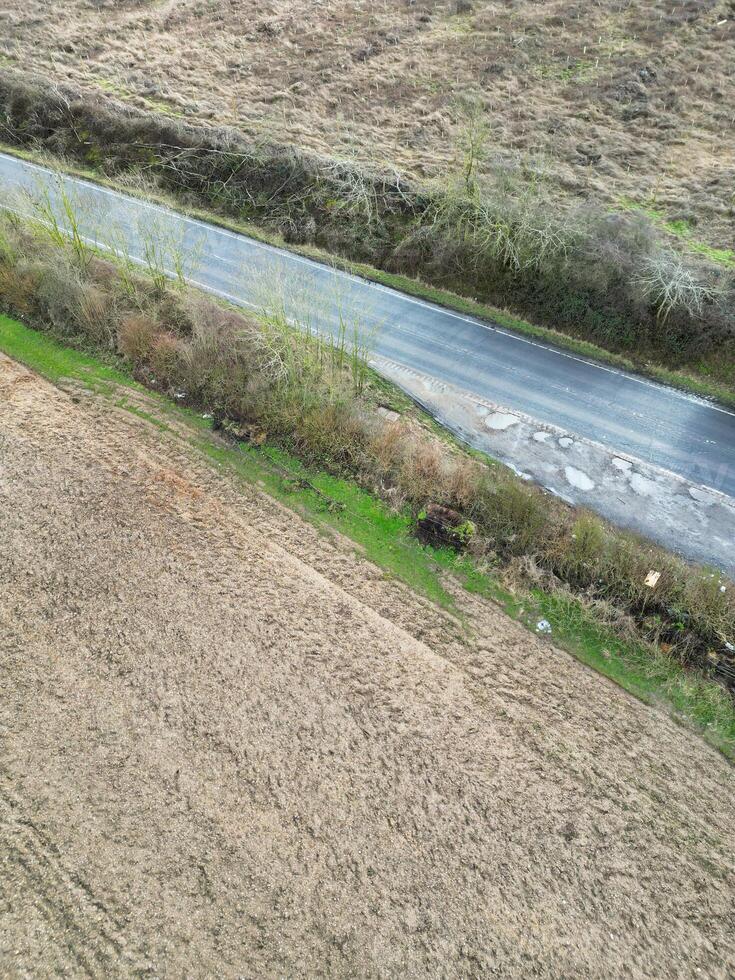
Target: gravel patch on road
x=694, y=521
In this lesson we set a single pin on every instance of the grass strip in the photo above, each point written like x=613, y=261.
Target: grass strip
x=386, y=538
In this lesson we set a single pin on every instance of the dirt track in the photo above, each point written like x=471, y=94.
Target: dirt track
x=230, y=747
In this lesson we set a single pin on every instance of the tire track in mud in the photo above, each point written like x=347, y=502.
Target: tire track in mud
x=90, y=938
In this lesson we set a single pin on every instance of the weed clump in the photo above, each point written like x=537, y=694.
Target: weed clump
x=317, y=400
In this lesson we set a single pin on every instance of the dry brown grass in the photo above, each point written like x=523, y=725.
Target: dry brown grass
x=230, y=738
x=613, y=99
x=136, y=334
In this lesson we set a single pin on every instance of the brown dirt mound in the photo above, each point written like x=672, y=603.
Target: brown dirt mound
x=232, y=747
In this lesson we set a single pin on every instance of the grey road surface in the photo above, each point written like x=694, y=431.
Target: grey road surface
x=626, y=415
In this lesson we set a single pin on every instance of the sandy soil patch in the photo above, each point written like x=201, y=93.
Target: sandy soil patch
x=232, y=747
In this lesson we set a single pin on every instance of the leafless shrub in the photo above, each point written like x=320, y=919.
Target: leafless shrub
x=355, y=192
x=58, y=291
x=18, y=288
x=96, y=314
x=670, y=286
x=388, y=446
x=165, y=355
x=463, y=483
x=519, y=236
x=135, y=336
x=423, y=472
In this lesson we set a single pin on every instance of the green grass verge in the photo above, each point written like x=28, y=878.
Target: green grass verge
x=698, y=383
x=55, y=361
x=385, y=537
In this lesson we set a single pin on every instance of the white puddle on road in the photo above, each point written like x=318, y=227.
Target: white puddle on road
x=701, y=496
x=642, y=486
x=501, y=421
x=578, y=478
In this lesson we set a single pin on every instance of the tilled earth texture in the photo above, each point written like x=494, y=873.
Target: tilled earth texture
x=231, y=747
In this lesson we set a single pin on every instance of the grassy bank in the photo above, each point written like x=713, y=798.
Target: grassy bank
x=386, y=536
x=320, y=402
x=608, y=281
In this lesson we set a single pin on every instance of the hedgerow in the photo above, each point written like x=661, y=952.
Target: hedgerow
x=607, y=277
x=316, y=399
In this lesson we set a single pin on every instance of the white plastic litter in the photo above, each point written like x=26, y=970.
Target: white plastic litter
x=543, y=626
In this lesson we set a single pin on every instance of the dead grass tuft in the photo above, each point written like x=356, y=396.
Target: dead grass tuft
x=136, y=334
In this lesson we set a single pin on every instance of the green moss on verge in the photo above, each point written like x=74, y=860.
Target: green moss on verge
x=386, y=539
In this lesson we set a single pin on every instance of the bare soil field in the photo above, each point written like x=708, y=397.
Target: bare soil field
x=614, y=100
x=232, y=747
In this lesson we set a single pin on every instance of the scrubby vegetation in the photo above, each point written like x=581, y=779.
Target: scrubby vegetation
x=607, y=277
x=603, y=101
x=320, y=402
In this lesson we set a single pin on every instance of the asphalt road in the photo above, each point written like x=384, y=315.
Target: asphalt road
x=627, y=414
